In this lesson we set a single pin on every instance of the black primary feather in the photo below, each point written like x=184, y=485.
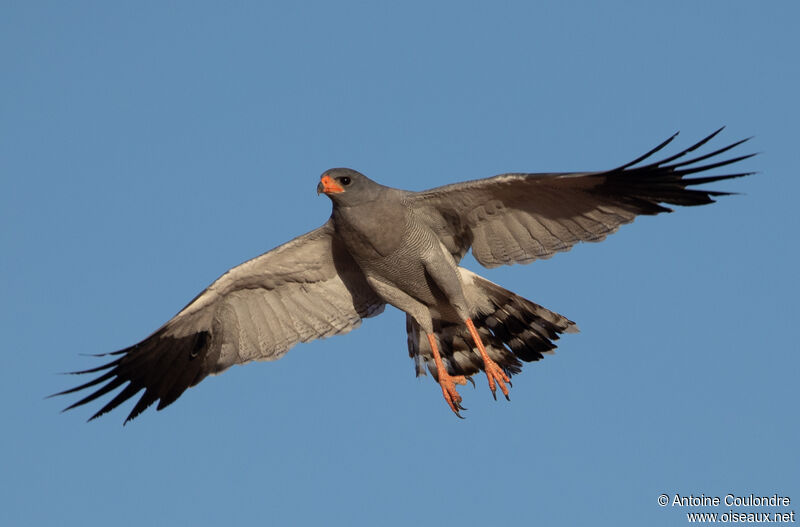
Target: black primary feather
x=647, y=186
x=163, y=366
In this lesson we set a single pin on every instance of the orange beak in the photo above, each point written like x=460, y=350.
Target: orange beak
x=328, y=185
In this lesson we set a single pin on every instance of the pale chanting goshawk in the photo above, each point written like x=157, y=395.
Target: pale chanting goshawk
x=382, y=246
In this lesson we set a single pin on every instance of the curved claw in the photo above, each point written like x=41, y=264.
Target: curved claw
x=455, y=407
x=496, y=377
x=449, y=392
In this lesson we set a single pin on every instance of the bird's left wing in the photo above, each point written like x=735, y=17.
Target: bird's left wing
x=306, y=289
x=519, y=218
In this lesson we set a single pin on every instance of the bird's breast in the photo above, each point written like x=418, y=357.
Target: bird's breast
x=373, y=231
x=391, y=247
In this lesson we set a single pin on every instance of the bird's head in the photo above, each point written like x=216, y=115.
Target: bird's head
x=346, y=186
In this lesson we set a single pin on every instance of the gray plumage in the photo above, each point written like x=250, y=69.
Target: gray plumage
x=389, y=246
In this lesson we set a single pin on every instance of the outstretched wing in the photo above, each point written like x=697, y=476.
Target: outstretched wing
x=306, y=289
x=519, y=218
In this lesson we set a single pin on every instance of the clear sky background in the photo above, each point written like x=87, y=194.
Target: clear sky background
x=147, y=147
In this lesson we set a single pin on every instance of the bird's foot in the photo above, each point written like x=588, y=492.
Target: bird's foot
x=494, y=373
x=451, y=396
x=496, y=377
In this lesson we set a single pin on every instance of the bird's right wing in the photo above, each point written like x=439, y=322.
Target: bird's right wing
x=306, y=289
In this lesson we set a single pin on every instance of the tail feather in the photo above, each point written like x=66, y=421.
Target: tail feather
x=513, y=330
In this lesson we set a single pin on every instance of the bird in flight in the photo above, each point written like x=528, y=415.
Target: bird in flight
x=384, y=245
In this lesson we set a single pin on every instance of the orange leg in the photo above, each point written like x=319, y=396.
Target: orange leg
x=446, y=381
x=494, y=372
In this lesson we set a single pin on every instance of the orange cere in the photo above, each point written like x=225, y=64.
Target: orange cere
x=330, y=186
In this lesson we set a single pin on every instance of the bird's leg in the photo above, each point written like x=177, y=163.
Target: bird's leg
x=494, y=373
x=447, y=381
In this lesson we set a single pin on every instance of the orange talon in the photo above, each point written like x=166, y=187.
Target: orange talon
x=446, y=381
x=494, y=373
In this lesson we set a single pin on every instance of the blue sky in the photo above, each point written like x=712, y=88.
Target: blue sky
x=147, y=148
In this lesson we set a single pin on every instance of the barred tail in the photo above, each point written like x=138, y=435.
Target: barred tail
x=513, y=329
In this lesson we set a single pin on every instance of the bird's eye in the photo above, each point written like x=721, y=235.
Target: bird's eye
x=345, y=180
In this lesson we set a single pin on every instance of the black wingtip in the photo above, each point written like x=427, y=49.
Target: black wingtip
x=715, y=133
x=647, y=154
x=712, y=179
x=711, y=166
x=163, y=366
x=648, y=188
